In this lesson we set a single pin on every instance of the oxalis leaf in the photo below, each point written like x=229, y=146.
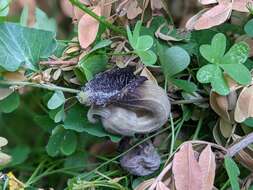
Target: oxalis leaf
x=22, y=46
x=233, y=172
x=231, y=63
x=56, y=100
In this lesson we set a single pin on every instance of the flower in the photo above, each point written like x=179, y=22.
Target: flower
x=142, y=160
x=126, y=104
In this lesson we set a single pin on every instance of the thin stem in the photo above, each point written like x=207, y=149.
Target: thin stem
x=112, y=27
x=58, y=62
x=196, y=134
x=225, y=185
x=36, y=85
x=172, y=134
x=197, y=100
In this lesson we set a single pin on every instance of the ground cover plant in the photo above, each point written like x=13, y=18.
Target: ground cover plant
x=126, y=94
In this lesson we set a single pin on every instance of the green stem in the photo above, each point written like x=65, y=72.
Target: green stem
x=102, y=20
x=192, y=101
x=36, y=85
x=172, y=134
x=196, y=134
x=225, y=185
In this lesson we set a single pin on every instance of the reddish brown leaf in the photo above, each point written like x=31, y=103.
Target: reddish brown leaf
x=161, y=186
x=133, y=10
x=88, y=28
x=241, y=5
x=190, y=24
x=186, y=169
x=215, y=16
x=67, y=8
x=208, y=166
x=244, y=105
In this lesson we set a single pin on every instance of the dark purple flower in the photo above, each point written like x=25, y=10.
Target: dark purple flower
x=142, y=160
x=112, y=86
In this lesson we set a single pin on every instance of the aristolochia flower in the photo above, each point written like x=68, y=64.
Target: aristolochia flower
x=126, y=103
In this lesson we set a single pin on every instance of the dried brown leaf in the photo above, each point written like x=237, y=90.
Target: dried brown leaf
x=3, y=142
x=146, y=73
x=215, y=16
x=145, y=184
x=67, y=8
x=14, y=76
x=244, y=105
x=220, y=105
x=156, y=4
x=133, y=10
x=88, y=28
x=208, y=166
x=241, y=5
x=192, y=21
x=186, y=170
x=161, y=186
x=226, y=128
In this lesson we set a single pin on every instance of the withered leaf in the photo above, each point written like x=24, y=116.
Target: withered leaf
x=186, y=169
x=220, y=105
x=244, y=105
x=215, y=16
x=241, y=5
x=208, y=166
x=161, y=186
x=88, y=28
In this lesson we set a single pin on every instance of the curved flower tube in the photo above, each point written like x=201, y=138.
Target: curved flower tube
x=137, y=106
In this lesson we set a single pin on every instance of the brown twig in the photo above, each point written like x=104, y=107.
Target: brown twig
x=234, y=149
x=58, y=62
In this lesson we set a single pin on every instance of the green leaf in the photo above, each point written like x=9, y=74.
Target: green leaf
x=233, y=172
x=93, y=64
x=69, y=143
x=144, y=43
x=26, y=50
x=100, y=45
x=10, y=103
x=249, y=28
x=56, y=100
x=57, y=114
x=76, y=119
x=136, y=32
x=130, y=36
x=55, y=140
x=238, y=72
x=214, y=52
x=187, y=86
x=4, y=8
x=19, y=155
x=237, y=54
x=147, y=57
x=173, y=60
x=219, y=84
x=205, y=73
x=44, y=122
x=249, y=122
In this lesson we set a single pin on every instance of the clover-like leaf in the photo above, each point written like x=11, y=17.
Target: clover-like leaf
x=238, y=72
x=144, y=43
x=56, y=100
x=214, y=52
x=173, y=60
x=219, y=83
x=249, y=28
x=147, y=57
x=238, y=53
x=205, y=73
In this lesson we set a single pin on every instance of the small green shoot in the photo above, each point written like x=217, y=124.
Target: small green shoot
x=142, y=45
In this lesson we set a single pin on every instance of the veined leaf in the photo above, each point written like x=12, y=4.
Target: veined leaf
x=22, y=46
